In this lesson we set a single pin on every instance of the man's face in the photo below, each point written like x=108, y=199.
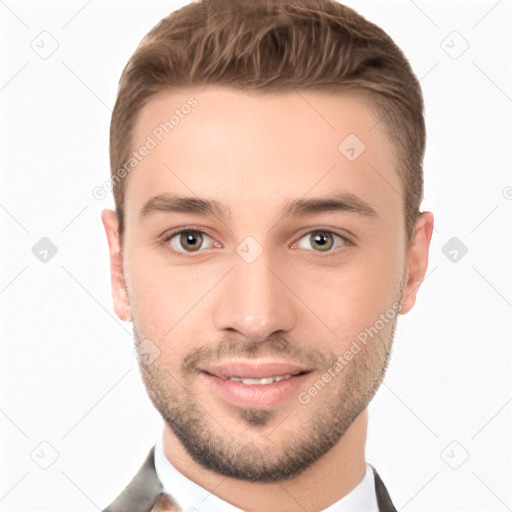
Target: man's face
x=253, y=291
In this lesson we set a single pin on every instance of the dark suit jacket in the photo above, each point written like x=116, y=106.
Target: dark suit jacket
x=145, y=492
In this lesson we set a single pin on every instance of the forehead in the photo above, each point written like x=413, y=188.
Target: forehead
x=242, y=149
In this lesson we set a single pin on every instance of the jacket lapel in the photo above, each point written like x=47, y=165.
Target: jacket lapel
x=383, y=499
x=145, y=492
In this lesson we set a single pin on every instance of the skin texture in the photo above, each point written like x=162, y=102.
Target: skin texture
x=298, y=301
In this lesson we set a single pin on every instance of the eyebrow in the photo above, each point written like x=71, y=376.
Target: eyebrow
x=177, y=203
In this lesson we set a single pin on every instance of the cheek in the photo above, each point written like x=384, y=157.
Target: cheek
x=351, y=297
x=154, y=297
x=166, y=298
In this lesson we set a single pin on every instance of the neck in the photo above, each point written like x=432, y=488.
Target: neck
x=328, y=480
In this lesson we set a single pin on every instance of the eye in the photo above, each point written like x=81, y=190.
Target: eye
x=189, y=241
x=322, y=241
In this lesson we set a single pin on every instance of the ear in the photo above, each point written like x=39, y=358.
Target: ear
x=417, y=259
x=117, y=281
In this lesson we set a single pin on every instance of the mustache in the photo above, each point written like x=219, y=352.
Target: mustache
x=278, y=347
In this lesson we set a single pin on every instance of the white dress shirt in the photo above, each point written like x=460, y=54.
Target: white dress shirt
x=193, y=498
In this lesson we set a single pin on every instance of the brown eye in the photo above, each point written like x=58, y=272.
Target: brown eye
x=191, y=240
x=322, y=241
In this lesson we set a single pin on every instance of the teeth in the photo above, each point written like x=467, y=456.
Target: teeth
x=266, y=380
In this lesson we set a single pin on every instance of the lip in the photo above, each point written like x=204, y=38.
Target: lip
x=216, y=376
x=254, y=369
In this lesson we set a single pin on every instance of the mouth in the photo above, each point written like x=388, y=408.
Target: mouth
x=264, y=380
x=255, y=370
x=255, y=383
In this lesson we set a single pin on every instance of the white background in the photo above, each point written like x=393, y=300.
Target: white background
x=68, y=374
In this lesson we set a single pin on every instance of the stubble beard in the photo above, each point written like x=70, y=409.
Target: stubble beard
x=292, y=447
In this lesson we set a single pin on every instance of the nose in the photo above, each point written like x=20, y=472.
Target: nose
x=255, y=301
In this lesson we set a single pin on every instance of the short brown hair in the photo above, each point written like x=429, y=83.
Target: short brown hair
x=269, y=46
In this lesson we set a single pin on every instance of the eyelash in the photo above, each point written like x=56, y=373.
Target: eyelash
x=167, y=238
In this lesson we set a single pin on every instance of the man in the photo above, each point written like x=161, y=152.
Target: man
x=266, y=160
